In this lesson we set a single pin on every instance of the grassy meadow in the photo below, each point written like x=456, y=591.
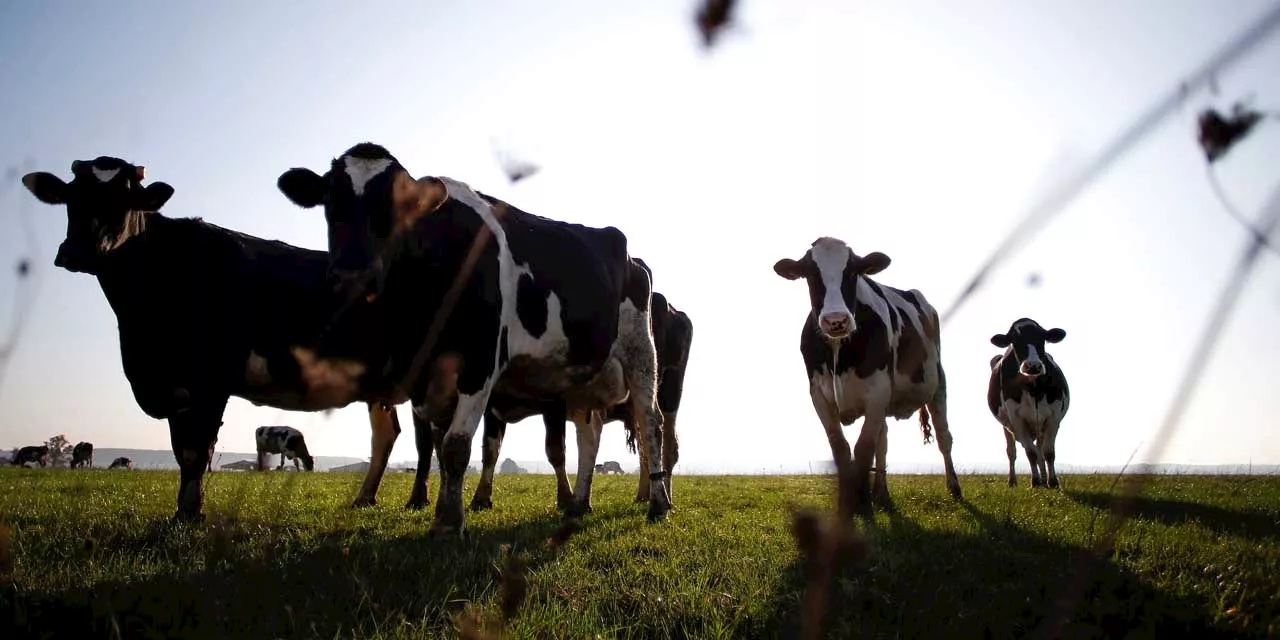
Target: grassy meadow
x=89, y=554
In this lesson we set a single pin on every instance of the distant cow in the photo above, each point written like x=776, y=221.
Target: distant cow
x=285, y=441
x=609, y=467
x=871, y=351
x=549, y=310
x=38, y=454
x=121, y=463
x=204, y=313
x=1027, y=393
x=82, y=455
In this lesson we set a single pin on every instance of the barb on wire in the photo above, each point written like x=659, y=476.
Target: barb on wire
x=29, y=279
x=1057, y=199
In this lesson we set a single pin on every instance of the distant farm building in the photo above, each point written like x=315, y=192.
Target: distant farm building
x=239, y=465
x=359, y=467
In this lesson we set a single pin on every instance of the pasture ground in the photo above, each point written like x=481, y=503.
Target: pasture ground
x=88, y=554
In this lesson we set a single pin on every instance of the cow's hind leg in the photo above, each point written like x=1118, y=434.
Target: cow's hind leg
x=386, y=428
x=191, y=431
x=1011, y=451
x=643, y=484
x=588, y=424
x=494, y=431
x=553, y=418
x=1050, y=450
x=425, y=443
x=937, y=408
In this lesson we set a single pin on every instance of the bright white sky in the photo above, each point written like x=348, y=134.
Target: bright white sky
x=920, y=129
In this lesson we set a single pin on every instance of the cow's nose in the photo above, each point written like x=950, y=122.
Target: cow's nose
x=836, y=325
x=1032, y=369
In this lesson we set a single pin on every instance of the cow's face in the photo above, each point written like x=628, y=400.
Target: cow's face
x=368, y=197
x=1027, y=338
x=832, y=270
x=103, y=201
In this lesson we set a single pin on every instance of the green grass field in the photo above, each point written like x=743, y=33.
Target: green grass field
x=89, y=554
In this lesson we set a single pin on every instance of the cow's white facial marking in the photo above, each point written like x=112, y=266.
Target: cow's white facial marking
x=1031, y=366
x=832, y=258
x=362, y=170
x=105, y=175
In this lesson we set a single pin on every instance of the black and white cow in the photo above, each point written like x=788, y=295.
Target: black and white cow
x=287, y=442
x=1027, y=393
x=37, y=454
x=550, y=311
x=121, y=463
x=82, y=455
x=611, y=466
x=204, y=313
x=871, y=351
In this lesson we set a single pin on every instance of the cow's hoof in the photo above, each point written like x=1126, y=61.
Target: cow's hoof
x=1012, y=482
x=954, y=488
x=362, y=503
x=441, y=531
x=563, y=505
x=1053, y=483
x=577, y=510
x=417, y=504
x=658, y=510
x=187, y=517
x=481, y=505
x=641, y=498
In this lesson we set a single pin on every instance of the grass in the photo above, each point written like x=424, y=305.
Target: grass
x=89, y=554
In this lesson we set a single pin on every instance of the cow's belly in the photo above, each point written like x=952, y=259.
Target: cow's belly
x=1032, y=414
x=579, y=387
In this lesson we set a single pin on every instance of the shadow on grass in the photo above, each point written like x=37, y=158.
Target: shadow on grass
x=999, y=583
x=343, y=583
x=1256, y=525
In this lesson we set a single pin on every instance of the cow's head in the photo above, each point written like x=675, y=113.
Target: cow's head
x=368, y=197
x=1027, y=338
x=104, y=200
x=832, y=270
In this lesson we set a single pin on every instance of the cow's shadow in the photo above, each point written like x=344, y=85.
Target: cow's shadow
x=1000, y=581
x=247, y=581
x=1255, y=525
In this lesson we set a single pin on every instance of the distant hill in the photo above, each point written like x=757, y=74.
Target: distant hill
x=162, y=459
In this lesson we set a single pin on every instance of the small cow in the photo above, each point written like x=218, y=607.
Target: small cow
x=121, y=463
x=203, y=312
x=38, y=454
x=82, y=455
x=285, y=441
x=550, y=311
x=1028, y=395
x=871, y=351
x=611, y=466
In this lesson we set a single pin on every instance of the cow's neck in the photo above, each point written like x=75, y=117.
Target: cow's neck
x=121, y=272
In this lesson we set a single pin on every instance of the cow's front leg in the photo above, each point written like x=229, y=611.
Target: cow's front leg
x=880, y=489
x=386, y=429
x=454, y=452
x=588, y=424
x=1050, y=452
x=670, y=449
x=494, y=431
x=553, y=418
x=191, y=431
x=425, y=441
x=1011, y=451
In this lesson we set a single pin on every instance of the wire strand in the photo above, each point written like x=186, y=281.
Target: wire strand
x=1235, y=213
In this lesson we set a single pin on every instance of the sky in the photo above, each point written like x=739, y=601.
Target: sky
x=921, y=129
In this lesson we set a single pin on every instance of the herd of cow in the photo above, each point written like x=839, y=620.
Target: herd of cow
x=81, y=457
x=472, y=309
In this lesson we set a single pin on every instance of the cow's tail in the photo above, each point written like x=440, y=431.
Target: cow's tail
x=925, y=428
x=630, y=428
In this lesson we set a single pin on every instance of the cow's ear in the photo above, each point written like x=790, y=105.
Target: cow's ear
x=1054, y=335
x=46, y=187
x=873, y=263
x=155, y=195
x=303, y=187
x=411, y=199
x=789, y=269
x=1001, y=340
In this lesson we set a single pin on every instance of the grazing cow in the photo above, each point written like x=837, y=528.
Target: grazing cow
x=285, y=441
x=611, y=466
x=1028, y=395
x=121, y=463
x=547, y=311
x=871, y=351
x=82, y=455
x=204, y=313
x=38, y=454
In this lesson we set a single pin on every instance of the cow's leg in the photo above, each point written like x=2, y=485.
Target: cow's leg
x=494, y=431
x=553, y=418
x=262, y=459
x=589, y=425
x=424, y=441
x=191, y=431
x=640, y=368
x=1049, y=451
x=454, y=452
x=670, y=449
x=942, y=432
x=1012, y=452
x=642, y=486
x=880, y=488
x=386, y=428
x=830, y=420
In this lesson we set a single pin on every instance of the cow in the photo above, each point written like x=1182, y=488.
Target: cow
x=1028, y=395
x=547, y=311
x=203, y=313
x=611, y=466
x=285, y=441
x=82, y=455
x=870, y=351
x=121, y=463
x=38, y=454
